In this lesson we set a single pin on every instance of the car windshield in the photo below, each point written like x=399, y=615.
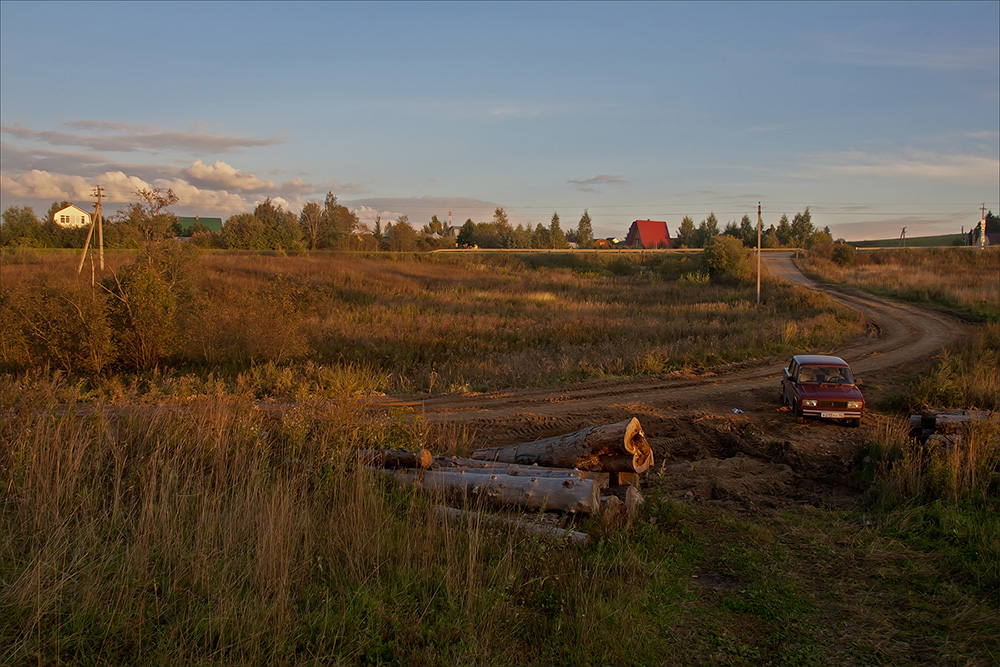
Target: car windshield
x=828, y=374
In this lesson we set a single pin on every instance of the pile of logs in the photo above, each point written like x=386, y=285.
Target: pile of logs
x=945, y=426
x=592, y=470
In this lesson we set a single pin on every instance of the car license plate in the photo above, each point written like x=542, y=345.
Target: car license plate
x=832, y=415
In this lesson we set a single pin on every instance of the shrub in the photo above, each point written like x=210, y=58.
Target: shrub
x=726, y=257
x=843, y=254
x=57, y=321
x=142, y=310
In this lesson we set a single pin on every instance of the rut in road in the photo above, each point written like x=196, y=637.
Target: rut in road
x=903, y=336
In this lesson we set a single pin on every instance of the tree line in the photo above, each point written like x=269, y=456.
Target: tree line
x=332, y=226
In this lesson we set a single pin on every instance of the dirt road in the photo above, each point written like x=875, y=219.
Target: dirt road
x=722, y=436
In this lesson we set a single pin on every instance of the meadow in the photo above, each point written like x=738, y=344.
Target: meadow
x=964, y=279
x=408, y=323
x=159, y=515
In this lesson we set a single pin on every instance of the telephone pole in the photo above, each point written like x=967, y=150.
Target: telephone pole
x=758, y=253
x=96, y=221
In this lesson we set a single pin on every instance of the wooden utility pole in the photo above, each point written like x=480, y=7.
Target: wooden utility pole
x=100, y=228
x=758, y=253
x=96, y=221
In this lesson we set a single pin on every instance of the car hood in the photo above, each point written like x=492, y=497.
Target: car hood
x=831, y=392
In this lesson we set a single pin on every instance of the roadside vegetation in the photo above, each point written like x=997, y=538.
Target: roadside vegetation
x=402, y=323
x=939, y=499
x=152, y=511
x=961, y=278
x=220, y=533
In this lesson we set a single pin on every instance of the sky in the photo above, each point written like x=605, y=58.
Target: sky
x=874, y=115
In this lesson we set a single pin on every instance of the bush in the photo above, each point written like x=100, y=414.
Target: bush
x=55, y=321
x=726, y=257
x=142, y=310
x=844, y=254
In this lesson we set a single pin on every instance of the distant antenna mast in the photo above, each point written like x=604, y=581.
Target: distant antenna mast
x=982, y=229
x=902, y=238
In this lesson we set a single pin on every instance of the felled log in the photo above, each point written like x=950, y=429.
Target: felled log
x=518, y=471
x=952, y=420
x=395, y=458
x=560, y=495
x=618, y=447
x=546, y=531
x=456, y=462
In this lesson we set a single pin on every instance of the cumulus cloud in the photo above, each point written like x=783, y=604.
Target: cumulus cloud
x=225, y=176
x=38, y=186
x=593, y=184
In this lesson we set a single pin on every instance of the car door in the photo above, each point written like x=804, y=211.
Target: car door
x=788, y=381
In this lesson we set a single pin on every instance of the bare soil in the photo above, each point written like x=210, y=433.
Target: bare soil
x=722, y=437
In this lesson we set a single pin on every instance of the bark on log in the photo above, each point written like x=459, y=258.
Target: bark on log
x=553, y=533
x=952, y=420
x=519, y=471
x=446, y=462
x=561, y=495
x=395, y=458
x=618, y=447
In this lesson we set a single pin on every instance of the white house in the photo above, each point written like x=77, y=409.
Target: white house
x=71, y=216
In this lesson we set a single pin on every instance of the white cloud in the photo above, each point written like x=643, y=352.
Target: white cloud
x=226, y=177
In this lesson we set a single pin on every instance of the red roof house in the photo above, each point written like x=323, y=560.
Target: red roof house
x=648, y=234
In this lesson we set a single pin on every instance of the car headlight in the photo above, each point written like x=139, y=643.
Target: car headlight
x=854, y=405
x=809, y=403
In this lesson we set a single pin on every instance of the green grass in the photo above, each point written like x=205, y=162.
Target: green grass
x=941, y=240
x=224, y=534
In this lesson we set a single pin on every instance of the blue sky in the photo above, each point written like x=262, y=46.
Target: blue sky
x=875, y=115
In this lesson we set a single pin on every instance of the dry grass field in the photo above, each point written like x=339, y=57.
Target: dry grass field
x=163, y=515
x=967, y=279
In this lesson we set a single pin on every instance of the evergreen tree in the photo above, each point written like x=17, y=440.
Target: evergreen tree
x=686, y=233
x=585, y=231
x=748, y=232
x=557, y=238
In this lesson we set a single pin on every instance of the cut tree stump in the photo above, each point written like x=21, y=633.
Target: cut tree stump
x=560, y=495
x=618, y=447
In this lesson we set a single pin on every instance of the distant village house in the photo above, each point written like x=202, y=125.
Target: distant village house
x=648, y=234
x=71, y=216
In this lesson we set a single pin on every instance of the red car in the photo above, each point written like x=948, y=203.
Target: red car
x=821, y=386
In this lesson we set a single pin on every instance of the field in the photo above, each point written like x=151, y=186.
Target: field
x=915, y=242
x=965, y=279
x=202, y=510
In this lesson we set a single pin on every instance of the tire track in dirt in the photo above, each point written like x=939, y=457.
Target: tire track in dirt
x=903, y=338
x=720, y=437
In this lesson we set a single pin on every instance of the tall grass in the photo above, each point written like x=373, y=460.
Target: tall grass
x=459, y=322
x=224, y=534
x=967, y=279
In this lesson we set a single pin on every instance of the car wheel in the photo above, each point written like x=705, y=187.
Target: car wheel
x=799, y=417
x=784, y=397
x=855, y=422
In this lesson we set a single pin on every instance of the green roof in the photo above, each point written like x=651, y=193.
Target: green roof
x=213, y=224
